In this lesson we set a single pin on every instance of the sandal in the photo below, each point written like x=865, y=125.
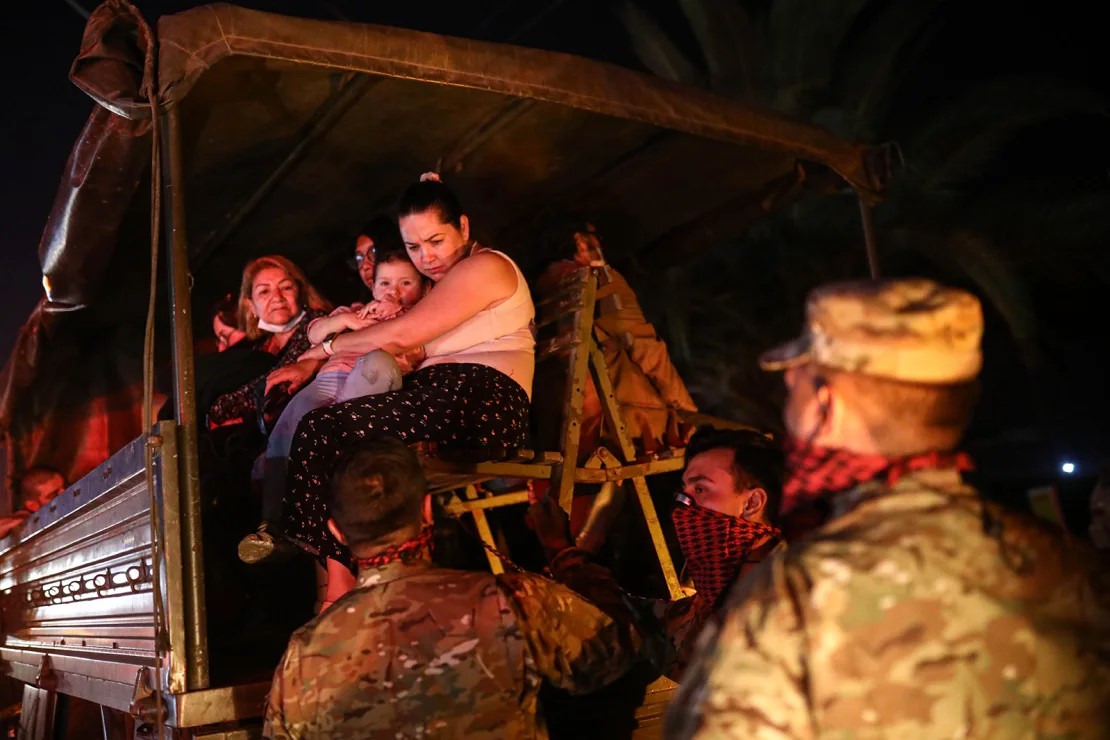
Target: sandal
x=263, y=545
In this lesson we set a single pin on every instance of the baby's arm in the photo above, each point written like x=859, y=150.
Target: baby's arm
x=341, y=319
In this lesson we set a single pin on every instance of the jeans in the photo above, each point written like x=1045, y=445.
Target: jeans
x=375, y=372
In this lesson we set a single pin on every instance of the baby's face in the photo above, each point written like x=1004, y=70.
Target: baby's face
x=398, y=282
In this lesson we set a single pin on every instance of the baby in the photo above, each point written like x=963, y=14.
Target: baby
x=397, y=287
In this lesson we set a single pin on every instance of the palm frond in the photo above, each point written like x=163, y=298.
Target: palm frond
x=967, y=131
x=654, y=48
x=803, y=37
x=869, y=63
x=728, y=43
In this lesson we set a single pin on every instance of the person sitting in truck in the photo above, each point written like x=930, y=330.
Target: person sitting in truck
x=651, y=394
x=276, y=304
x=397, y=286
x=224, y=367
x=417, y=650
x=471, y=393
x=225, y=323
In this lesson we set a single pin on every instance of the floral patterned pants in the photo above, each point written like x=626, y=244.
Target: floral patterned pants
x=461, y=406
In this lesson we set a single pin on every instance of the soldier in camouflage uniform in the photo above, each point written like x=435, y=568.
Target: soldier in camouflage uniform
x=918, y=610
x=419, y=651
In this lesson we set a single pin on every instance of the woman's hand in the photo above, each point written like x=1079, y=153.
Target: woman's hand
x=315, y=353
x=414, y=357
x=296, y=373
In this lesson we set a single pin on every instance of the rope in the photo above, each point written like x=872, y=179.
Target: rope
x=153, y=441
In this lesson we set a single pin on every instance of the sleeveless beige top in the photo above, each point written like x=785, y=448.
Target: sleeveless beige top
x=499, y=337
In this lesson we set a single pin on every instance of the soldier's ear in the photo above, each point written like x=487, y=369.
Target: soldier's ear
x=334, y=529
x=757, y=501
x=427, y=511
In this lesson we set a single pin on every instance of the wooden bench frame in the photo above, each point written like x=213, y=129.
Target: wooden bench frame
x=575, y=297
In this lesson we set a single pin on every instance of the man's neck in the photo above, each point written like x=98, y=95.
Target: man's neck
x=393, y=539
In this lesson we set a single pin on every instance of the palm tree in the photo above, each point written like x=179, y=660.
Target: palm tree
x=842, y=65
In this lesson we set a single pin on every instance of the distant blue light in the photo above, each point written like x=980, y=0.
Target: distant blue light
x=1067, y=468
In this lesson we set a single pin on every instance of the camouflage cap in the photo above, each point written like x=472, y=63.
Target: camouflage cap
x=904, y=329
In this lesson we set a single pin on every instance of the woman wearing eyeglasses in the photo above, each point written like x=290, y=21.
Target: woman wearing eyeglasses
x=378, y=236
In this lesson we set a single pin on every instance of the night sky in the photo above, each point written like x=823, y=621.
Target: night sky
x=971, y=41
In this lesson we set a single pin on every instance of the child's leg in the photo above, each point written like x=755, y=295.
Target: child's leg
x=320, y=392
x=375, y=372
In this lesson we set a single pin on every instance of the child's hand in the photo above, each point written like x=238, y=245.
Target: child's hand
x=356, y=320
x=381, y=310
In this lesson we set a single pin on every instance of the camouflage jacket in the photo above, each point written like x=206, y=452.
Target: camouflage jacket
x=419, y=651
x=910, y=614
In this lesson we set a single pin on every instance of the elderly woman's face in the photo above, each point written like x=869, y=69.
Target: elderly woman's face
x=274, y=296
x=433, y=246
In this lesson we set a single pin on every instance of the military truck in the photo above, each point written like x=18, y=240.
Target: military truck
x=227, y=133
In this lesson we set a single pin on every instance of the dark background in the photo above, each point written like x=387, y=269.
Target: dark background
x=1038, y=192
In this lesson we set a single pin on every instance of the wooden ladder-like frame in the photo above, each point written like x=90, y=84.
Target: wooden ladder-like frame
x=575, y=298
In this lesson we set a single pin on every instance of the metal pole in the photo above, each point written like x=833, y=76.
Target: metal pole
x=868, y=218
x=173, y=198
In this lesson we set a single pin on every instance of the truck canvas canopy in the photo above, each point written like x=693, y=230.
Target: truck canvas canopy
x=228, y=134
x=294, y=131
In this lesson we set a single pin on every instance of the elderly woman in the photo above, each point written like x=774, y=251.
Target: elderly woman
x=276, y=304
x=397, y=287
x=471, y=392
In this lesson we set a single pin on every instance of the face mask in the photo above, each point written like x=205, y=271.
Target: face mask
x=716, y=546
x=280, y=328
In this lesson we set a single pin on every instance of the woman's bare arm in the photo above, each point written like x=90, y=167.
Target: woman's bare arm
x=476, y=283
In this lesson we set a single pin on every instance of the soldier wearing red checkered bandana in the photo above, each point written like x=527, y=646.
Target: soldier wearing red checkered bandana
x=917, y=609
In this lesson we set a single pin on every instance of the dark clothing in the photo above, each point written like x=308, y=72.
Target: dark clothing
x=242, y=403
x=217, y=373
x=458, y=406
x=419, y=651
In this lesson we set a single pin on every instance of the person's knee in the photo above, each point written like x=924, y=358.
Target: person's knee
x=378, y=361
x=374, y=372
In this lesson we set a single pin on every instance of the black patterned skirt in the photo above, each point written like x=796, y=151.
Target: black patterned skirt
x=457, y=406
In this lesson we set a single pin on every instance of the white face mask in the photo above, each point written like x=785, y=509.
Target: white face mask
x=280, y=328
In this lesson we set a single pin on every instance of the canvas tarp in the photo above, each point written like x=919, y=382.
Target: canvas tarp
x=294, y=131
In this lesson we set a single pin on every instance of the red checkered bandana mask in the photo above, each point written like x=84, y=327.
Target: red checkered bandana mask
x=813, y=471
x=716, y=546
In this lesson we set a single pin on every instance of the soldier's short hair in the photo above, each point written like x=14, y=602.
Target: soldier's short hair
x=757, y=461
x=377, y=488
x=907, y=418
